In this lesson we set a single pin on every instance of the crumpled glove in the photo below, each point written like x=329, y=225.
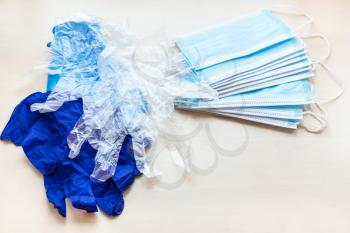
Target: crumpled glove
x=43, y=138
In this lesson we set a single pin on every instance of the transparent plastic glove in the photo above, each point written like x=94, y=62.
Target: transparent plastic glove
x=132, y=94
x=126, y=101
x=111, y=111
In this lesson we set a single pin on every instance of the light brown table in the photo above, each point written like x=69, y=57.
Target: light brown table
x=282, y=182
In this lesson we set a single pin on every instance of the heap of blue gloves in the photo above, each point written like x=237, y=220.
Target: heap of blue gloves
x=43, y=137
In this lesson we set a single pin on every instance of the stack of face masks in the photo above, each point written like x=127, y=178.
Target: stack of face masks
x=259, y=68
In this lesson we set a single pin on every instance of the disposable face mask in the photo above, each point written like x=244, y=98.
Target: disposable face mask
x=291, y=124
x=296, y=57
x=264, y=78
x=281, y=73
x=314, y=111
x=292, y=93
x=305, y=74
x=43, y=139
x=243, y=36
x=281, y=116
x=292, y=59
x=293, y=112
x=260, y=59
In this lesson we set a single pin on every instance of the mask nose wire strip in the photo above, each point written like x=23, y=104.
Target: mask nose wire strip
x=320, y=117
x=290, y=10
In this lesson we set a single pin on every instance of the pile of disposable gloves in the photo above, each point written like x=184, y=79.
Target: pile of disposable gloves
x=106, y=101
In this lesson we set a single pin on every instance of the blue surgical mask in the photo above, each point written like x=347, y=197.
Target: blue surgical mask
x=261, y=59
x=285, y=123
x=292, y=93
x=303, y=75
x=292, y=59
x=293, y=112
x=283, y=73
x=240, y=37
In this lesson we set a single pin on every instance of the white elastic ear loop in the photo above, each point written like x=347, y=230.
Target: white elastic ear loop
x=288, y=9
x=320, y=117
x=323, y=37
x=336, y=80
x=320, y=62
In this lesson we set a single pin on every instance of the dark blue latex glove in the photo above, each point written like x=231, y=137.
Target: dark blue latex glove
x=43, y=138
